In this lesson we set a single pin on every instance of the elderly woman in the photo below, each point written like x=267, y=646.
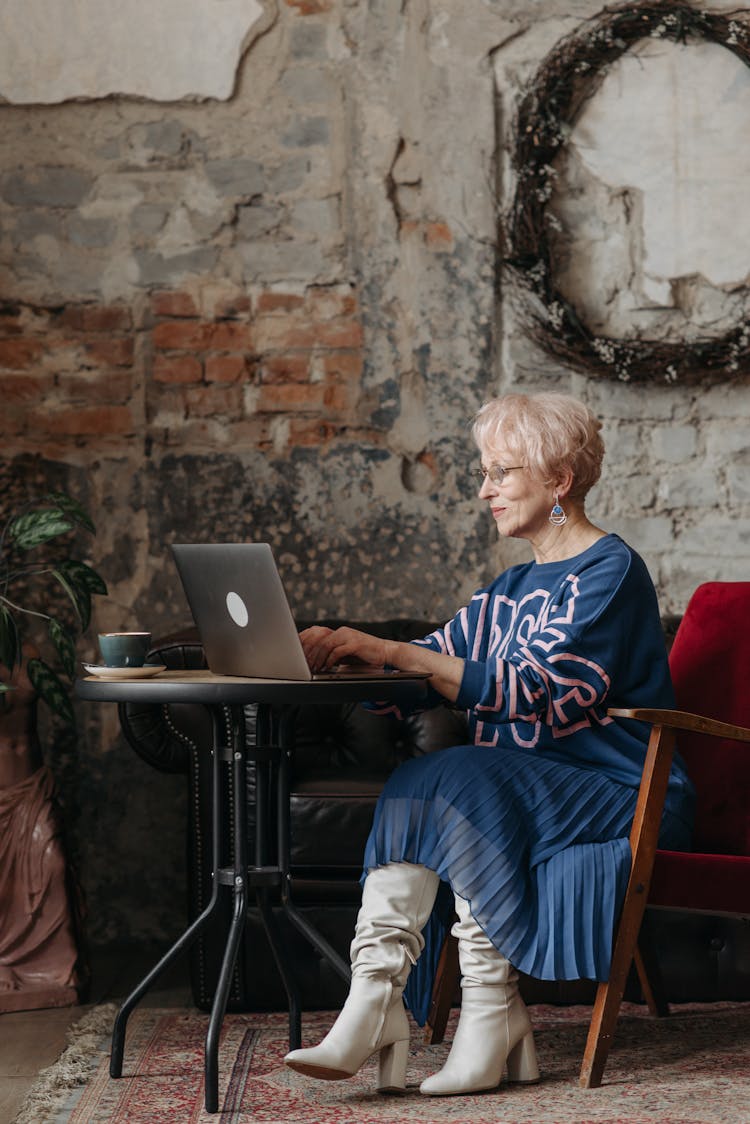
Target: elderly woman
x=529, y=824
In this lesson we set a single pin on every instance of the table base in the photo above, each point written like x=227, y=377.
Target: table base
x=272, y=756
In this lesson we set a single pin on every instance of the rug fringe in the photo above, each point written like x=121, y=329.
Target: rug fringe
x=73, y=1068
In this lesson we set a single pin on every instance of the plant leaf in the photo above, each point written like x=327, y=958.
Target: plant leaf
x=71, y=508
x=65, y=645
x=79, y=595
x=10, y=645
x=83, y=576
x=37, y=527
x=51, y=689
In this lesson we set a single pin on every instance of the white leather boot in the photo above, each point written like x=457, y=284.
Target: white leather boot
x=397, y=900
x=494, y=1030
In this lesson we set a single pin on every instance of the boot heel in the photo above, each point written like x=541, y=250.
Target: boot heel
x=522, y=1063
x=392, y=1067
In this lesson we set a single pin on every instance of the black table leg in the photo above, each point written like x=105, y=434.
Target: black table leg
x=238, y=878
x=275, y=940
x=189, y=936
x=269, y=735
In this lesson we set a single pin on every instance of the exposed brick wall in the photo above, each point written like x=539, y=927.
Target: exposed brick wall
x=269, y=369
x=260, y=369
x=67, y=375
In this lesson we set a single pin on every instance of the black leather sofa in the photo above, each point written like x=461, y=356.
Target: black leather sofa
x=343, y=756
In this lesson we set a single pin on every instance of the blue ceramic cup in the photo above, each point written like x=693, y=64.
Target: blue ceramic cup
x=124, y=649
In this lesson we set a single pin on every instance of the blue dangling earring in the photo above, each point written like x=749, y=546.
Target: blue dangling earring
x=557, y=516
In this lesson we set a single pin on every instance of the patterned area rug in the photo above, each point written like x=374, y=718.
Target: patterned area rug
x=693, y=1068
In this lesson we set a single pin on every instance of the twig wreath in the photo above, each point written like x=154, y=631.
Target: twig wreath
x=569, y=76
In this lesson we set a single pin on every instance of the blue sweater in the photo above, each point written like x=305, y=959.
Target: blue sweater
x=550, y=646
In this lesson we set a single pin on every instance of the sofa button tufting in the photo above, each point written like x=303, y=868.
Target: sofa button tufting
x=717, y=944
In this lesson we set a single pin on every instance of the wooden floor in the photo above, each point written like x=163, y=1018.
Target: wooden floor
x=32, y=1040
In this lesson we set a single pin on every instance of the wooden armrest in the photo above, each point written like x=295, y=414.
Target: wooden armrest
x=682, y=720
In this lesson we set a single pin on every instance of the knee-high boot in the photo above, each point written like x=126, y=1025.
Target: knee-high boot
x=397, y=900
x=493, y=1028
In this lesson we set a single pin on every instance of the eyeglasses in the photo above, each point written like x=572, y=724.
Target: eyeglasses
x=496, y=472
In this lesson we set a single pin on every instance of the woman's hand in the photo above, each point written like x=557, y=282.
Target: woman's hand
x=325, y=647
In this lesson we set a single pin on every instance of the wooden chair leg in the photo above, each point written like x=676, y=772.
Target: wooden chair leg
x=609, y=995
x=444, y=988
x=604, y=1017
x=645, y=983
x=643, y=838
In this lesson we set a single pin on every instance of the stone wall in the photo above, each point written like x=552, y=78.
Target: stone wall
x=270, y=314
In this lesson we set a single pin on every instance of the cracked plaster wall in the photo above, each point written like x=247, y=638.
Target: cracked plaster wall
x=334, y=223
x=52, y=52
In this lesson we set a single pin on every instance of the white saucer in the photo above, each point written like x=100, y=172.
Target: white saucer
x=144, y=672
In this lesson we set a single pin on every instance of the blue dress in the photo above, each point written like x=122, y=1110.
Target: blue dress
x=530, y=822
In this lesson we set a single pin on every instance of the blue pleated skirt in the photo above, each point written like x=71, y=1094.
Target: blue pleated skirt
x=538, y=848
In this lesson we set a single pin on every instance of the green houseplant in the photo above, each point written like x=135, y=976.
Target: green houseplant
x=43, y=590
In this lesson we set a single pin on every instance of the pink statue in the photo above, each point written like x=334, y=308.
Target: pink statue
x=38, y=951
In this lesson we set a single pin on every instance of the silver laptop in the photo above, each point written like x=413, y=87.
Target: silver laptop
x=242, y=613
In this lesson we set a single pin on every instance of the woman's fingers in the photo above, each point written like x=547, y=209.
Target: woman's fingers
x=312, y=640
x=324, y=647
x=328, y=650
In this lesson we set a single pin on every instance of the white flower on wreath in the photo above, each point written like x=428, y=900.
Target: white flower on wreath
x=556, y=314
x=537, y=272
x=604, y=349
x=735, y=30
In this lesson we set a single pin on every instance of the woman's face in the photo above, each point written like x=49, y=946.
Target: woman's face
x=521, y=504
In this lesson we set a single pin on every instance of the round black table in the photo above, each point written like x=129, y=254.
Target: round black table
x=277, y=700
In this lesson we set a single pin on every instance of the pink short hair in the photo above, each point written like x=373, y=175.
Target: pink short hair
x=548, y=433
